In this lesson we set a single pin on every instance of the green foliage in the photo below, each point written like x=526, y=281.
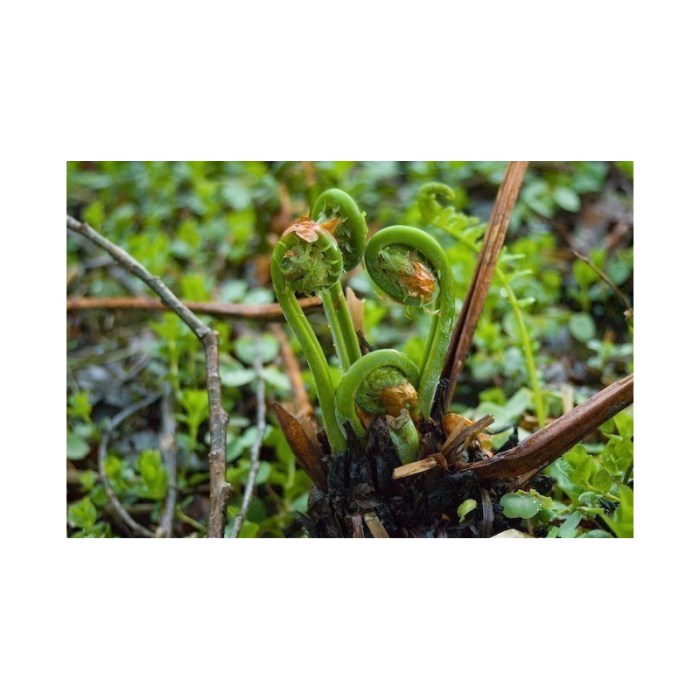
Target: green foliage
x=597, y=478
x=195, y=405
x=82, y=514
x=155, y=478
x=79, y=406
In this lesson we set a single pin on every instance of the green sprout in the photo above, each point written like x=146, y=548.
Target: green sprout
x=382, y=383
x=412, y=268
x=304, y=261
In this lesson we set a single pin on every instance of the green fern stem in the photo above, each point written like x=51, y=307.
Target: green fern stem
x=339, y=211
x=526, y=342
x=302, y=266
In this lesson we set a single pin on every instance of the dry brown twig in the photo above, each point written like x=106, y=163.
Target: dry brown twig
x=544, y=446
x=220, y=490
x=253, y=312
x=465, y=327
x=522, y=462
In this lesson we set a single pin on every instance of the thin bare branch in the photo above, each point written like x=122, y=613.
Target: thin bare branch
x=255, y=449
x=102, y=460
x=220, y=490
x=253, y=312
x=169, y=454
x=465, y=327
x=606, y=278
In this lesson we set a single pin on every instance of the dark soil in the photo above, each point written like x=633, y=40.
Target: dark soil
x=425, y=505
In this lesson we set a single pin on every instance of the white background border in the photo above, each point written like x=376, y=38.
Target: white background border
x=322, y=619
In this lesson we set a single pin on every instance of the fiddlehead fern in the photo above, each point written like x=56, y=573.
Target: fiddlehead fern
x=434, y=207
x=381, y=383
x=413, y=269
x=338, y=213
x=350, y=229
x=307, y=259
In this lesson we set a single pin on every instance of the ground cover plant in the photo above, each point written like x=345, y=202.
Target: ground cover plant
x=388, y=367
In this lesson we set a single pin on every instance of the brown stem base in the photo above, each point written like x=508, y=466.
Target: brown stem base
x=366, y=487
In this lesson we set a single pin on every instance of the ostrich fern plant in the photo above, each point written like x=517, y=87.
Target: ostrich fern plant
x=411, y=268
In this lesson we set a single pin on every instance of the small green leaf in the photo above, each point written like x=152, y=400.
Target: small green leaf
x=88, y=479
x=80, y=405
x=263, y=473
x=194, y=287
x=519, y=403
x=567, y=199
x=584, y=275
x=568, y=527
x=153, y=473
x=578, y=466
x=249, y=529
x=622, y=521
x=518, y=505
x=188, y=233
x=95, y=214
x=168, y=328
x=231, y=376
x=113, y=468
x=276, y=379
x=196, y=405
x=240, y=443
x=601, y=481
x=465, y=508
x=248, y=348
x=624, y=424
x=596, y=534
x=82, y=514
x=582, y=327
x=493, y=395
x=77, y=448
